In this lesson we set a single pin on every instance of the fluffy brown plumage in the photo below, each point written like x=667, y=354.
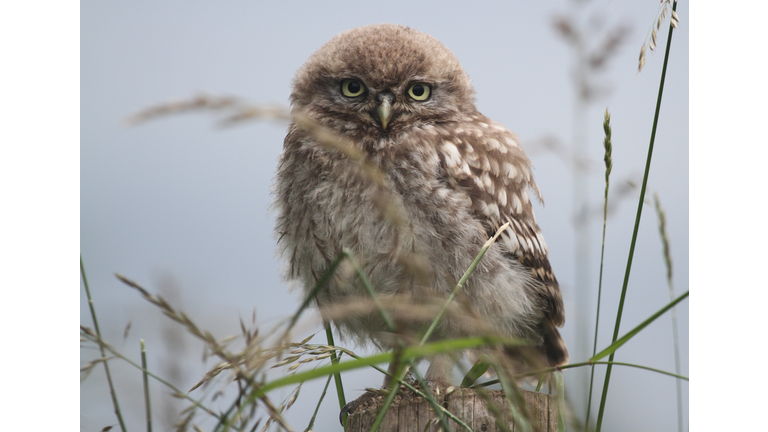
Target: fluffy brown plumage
x=450, y=175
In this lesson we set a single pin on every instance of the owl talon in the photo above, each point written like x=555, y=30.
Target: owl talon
x=346, y=409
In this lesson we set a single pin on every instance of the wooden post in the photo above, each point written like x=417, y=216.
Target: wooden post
x=411, y=413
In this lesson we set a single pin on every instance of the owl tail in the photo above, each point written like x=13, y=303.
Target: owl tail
x=554, y=346
x=551, y=350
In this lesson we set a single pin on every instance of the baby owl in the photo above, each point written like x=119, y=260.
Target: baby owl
x=435, y=180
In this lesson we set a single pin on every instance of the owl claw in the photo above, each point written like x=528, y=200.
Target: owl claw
x=346, y=409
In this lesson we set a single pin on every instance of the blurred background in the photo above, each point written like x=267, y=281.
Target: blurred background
x=181, y=205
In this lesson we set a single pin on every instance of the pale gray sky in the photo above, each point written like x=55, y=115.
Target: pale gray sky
x=180, y=202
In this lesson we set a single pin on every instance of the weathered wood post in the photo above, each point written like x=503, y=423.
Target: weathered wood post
x=411, y=413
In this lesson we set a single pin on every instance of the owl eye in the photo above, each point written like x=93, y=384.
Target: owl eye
x=419, y=91
x=352, y=88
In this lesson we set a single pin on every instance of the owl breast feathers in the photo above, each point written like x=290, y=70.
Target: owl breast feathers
x=450, y=178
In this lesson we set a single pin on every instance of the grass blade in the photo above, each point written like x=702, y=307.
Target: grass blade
x=608, y=145
x=629, y=335
x=112, y=392
x=660, y=216
x=88, y=334
x=369, y=289
x=391, y=327
x=663, y=372
x=146, y=385
x=336, y=376
x=431, y=398
x=637, y=222
x=576, y=365
x=317, y=407
x=400, y=374
x=461, y=282
x=478, y=369
x=312, y=294
x=557, y=376
x=408, y=353
x=514, y=396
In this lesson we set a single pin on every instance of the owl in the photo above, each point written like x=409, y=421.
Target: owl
x=436, y=180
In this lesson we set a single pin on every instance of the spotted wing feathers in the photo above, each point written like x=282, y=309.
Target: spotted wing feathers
x=486, y=160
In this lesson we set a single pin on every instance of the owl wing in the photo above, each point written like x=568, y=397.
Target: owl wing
x=485, y=159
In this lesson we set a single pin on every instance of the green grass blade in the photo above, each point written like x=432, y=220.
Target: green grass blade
x=431, y=399
x=337, y=375
x=320, y=285
x=146, y=385
x=514, y=398
x=409, y=353
x=369, y=289
x=461, y=283
x=557, y=377
x=93, y=337
x=391, y=327
x=400, y=374
x=92, y=308
x=660, y=216
x=663, y=372
x=317, y=407
x=478, y=369
x=637, y=223
x=630, y=334
x=577, y=365
x=608, y=145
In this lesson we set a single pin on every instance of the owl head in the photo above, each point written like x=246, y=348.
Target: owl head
x=382, y=79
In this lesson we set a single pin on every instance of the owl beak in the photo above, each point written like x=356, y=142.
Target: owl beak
x=384, y=112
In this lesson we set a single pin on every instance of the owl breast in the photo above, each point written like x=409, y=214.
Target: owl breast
x=412, y=236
